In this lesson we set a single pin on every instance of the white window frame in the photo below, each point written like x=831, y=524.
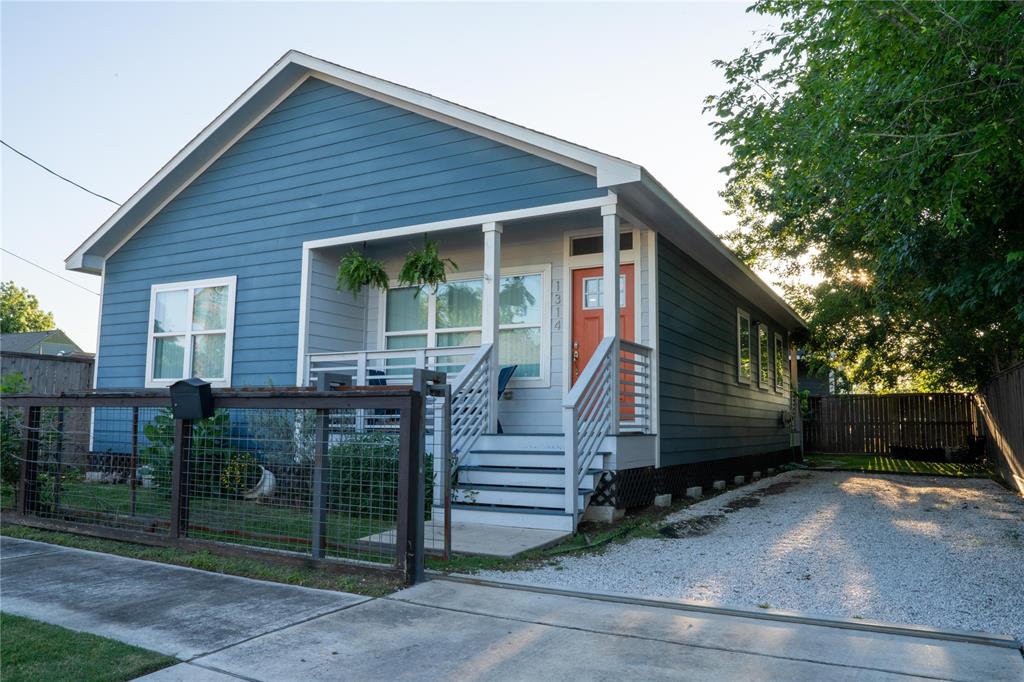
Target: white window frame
x=229, y=333
x=431, y=332
x=780, y=377
x=761, y=381
x=740, y=316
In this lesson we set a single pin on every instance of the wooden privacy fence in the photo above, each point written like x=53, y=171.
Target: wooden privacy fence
x=1001, y=403
x=292, y=475
x=49, y=373
x=885, y=424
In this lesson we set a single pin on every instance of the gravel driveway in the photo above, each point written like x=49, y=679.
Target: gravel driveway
x=924, y=550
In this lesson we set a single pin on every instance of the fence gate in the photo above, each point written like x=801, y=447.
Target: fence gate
x=889, y=424
x=296, y=475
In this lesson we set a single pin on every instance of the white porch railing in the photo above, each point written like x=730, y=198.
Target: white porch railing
x=620, y=372
x=636, y=400
x=471, y=402
x=389, y=367
x=468, y=369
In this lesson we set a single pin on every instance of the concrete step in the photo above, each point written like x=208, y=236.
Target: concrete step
x=535, y=477
x=516, y=496
x=519, y=517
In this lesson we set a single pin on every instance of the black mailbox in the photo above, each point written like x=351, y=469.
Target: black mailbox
x=191, y=399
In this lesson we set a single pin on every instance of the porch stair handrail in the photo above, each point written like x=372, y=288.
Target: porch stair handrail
x=471, y=402
x=636, y=387
x=587, y=418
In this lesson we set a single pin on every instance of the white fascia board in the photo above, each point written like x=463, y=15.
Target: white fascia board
x=608, y=170
x=666, y=197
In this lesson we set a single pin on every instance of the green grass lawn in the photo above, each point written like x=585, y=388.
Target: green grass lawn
x=369, y=582
x=892, y=465
x=272, y=525
x=31, y=650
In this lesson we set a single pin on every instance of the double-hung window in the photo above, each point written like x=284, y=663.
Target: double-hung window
x=452, y=318
x=191, y=329
x=743, y=346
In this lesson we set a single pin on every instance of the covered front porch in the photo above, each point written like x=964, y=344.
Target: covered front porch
x=519, y=329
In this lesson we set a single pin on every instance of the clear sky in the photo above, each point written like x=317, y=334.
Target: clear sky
x=106, y=93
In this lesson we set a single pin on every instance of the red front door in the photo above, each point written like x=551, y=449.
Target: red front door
x=588, y=312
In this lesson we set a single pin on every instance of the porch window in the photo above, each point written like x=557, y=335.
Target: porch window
x=452, y=318
x=743, y=346
x=780, y=362
x=764, y=366
x=190, y=331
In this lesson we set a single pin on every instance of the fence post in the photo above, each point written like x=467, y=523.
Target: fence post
x=318, y=538
x=179, y=477
x=133, y=465
x=28, y=481
x=409, y=541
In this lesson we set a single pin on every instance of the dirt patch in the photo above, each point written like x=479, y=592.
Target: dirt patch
x=744, y=502
x=778, y=488
x=691, y=528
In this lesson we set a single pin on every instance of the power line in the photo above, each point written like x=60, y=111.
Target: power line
x=53, y=172
x=94, y=293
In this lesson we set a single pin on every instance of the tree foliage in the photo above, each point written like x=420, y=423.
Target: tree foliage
x=881, y=145
x=20, y=312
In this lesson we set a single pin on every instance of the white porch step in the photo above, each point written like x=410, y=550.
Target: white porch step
x=536, y=477
x=517, y=496
x=506, y=457
x=495, y=515
x=520, y=441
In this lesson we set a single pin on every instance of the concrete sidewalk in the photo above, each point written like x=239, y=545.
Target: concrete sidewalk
x=229, y=628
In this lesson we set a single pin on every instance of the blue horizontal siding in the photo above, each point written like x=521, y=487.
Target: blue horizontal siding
x=705, y=412
x=325, y=162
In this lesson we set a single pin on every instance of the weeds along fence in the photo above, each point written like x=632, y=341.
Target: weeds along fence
x=912, y=425
x=297, y=475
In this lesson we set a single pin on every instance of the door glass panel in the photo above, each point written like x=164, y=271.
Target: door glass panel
x=406, y=341
x=593, y=292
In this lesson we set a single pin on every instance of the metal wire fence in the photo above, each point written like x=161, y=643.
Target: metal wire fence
x=315, y=474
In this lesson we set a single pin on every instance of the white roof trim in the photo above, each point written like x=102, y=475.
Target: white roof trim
x=609, y=170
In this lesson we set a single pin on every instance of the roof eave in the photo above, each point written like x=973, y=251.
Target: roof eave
x=672, y=217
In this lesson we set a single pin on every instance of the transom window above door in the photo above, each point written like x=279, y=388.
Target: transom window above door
x=190, y=331
x=452, y=318
x=593, y=292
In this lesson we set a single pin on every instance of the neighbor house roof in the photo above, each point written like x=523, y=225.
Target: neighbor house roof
x=631, y=181
x=28, y=342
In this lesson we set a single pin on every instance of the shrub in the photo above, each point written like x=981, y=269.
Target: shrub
x=363, y=476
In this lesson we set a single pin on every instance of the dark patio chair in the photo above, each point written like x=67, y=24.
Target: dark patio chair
x=504, y=376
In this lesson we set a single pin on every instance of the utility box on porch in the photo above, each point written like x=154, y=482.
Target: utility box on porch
x=191, y=399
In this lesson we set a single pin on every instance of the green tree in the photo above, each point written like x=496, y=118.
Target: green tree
x=881, y=145
x=20, y=312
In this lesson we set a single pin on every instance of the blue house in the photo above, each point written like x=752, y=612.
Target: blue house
x=645, y=351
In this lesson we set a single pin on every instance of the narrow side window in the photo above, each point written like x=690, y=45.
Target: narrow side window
x=780, y=363
x=743, y=346
x=764, y=367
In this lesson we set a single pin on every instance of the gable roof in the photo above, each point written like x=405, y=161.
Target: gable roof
x=21, y=342
x=630, y=180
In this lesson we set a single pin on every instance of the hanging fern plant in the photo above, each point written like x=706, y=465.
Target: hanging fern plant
x=425, y=268
x=356, y=271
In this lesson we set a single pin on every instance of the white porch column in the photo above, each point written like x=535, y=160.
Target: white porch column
x=491, y=306
x=610, y=285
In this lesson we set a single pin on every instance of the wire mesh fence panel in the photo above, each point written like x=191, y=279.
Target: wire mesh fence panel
x=317, y=479
x=92, y=466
